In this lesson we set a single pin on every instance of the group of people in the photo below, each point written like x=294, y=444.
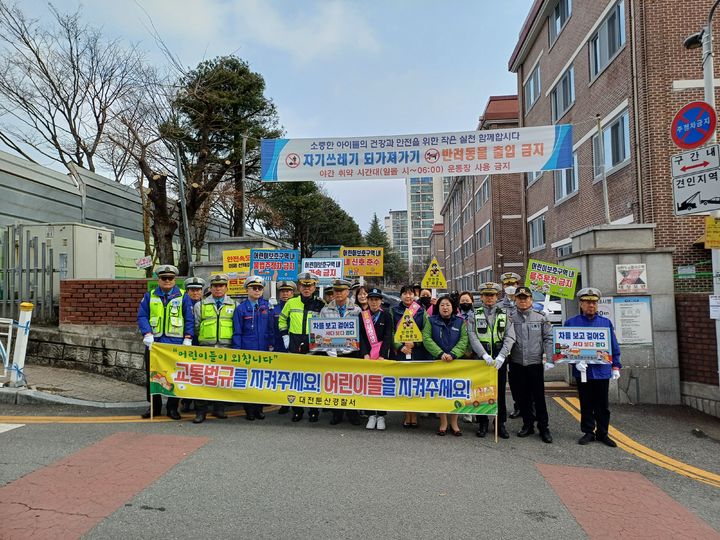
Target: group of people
x=503, y=331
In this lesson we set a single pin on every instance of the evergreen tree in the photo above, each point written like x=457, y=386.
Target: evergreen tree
x=395, y=269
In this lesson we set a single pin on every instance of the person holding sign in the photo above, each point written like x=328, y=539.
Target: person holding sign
x=294, y=326
x=341, y=307
x=376, y=327
x=409, y=349
x=445, y=338
x=594, y=403
x=533, y=337
x=286, y=290
x=492, y=337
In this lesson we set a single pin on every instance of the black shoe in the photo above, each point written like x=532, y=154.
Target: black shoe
x=502, y=432
x=515, y=414
x=249, y=416
x=586, y=439
x=296, y=417
x=220, y=414
x=284, y=409
x=174, y=414
x=260, y=415
x=607, y=441
x=526, y=431
x=335, y=420
x=199, y=418
x=482, y=430
x=186, y=405
x=545, y=436
x=146, y=414
x=313, y=417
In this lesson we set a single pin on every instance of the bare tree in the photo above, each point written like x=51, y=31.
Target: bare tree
x=61, y=87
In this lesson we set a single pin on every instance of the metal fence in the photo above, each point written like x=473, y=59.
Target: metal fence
x=26, y=275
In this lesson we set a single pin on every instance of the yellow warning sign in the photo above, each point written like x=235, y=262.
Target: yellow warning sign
x=712, y=232
x=434, y=278
x=408, y=330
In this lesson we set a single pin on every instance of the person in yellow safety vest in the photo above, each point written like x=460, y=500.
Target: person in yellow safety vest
x=294, y=326
x=510, y=282
x=491, y=338
x=165, y=315
x=214, y=328
x=194, y=290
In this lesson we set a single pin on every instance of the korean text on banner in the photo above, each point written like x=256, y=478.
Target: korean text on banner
x=515, y=150
x=459, y=386
x=590, y=345
x=334, y=333
x=553, y=279
x=275, y=264
x=236, y=264
x=327, y=270
x=362, y=261
x=434, y=278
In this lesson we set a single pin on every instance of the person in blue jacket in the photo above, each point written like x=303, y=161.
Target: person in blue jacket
x=286, y=290
x=594, y=406
x=165, y=315
x=254, y=330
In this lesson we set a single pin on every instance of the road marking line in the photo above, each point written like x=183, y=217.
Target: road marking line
x=8, y=427
x=631, y=446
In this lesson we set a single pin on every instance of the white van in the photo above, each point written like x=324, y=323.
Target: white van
x=550, y=305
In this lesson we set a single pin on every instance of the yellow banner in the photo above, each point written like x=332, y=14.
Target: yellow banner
x=712, y=232
x=362, y=261
x=460, y=386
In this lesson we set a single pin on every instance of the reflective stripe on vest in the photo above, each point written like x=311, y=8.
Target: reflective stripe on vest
x=296, y=314
x=497, y=334
x=209, y=323
x=167, y=320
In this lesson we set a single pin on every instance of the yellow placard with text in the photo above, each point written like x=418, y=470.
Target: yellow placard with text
x=712, y=232
x=236, y=263
x=407, y=329
x=460, y=386
x=362, y=261
x=434, y=278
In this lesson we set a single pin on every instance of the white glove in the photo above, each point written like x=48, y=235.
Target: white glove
x=187, y=342
x=148, y=340
x=488, y=359
x=332, y=352
x=286, y=341
x=615, y=374
x=499, y=361
x=549, y=365
x=581, y=367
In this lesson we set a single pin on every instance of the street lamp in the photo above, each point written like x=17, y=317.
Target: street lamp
x=694, y=41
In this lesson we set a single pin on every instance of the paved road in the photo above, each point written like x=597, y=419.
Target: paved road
x=274, y=479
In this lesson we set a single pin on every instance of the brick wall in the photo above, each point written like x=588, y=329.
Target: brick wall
x=80, y=301
x=696, y=339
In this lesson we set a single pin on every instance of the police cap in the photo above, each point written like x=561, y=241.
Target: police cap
x=166, y=269
x=307, y=278
x=523, y=291
x=490, y=287
x=194, y=283
x=286, y=286
x=589, y=293
x=255, y=281
x=219, y=279
x=340, y=284
x=374, y=293
x=509, y=277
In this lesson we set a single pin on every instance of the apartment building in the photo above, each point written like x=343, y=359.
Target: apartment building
x=425, y=196
x=396, y=227
x=482, y=215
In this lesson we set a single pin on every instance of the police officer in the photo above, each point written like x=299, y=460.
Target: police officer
x=194, y=290
x=533, y=337
x=214, y=327
x=254, y=330
x=492, y=338
x=594, y=406
x=286, y=290
x=294, y=326
x=342, y=307
x=165, y=315
x=510, y=282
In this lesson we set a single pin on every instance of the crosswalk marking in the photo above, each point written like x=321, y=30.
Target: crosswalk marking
x=8, y=427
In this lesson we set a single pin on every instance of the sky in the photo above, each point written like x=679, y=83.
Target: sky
x=339, y=68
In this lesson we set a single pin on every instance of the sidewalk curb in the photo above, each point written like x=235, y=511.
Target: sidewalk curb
x=20, y=396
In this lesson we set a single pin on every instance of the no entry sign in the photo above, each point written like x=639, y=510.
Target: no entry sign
x=693, y=125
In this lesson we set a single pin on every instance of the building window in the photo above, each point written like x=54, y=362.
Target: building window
x=485, y=190
x=533, y=177
x=565, y=250
x=616, y=138
x=531, y=88
x=483, y=276
x=558, y=18
x=537, y=233
x=563, y=95
x=566, y=180
x=482, y=237
x=608, y=40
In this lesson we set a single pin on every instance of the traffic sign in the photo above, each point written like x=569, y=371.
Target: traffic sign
x=693, y=125
x=696, y=181
x=434, y=278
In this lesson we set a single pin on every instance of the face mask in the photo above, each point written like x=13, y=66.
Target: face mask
x=465, y=307
x=424, y=301
x=510, y=290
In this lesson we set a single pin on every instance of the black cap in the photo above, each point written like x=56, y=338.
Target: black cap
x=523, y=291
x=374, y=293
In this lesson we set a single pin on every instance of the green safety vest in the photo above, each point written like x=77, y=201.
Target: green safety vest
x=215, y=326
x=168, y=319
x=487, y=335
x=294, y=317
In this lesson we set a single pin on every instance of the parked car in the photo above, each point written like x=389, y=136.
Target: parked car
x=389, y=301
x=550, y=305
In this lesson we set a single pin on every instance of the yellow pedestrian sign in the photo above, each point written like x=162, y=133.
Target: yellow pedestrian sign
x=434, y=278
x=408, y=330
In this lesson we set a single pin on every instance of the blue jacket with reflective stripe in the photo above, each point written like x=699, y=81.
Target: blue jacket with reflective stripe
x=598, y=371
x=143, y=317
x=253, y=329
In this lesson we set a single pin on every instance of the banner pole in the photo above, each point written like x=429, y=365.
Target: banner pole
x=496, y=429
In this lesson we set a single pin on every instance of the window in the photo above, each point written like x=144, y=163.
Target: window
x=482, y=237
x=537, y=233
x=558, y=18
x=485, y=190
x=563, y=95
x=531, y=88
x=562, y=251
x=616, y=138
x=566, y=180
x=608, y=40
x=533, y=177
x=483, y=276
